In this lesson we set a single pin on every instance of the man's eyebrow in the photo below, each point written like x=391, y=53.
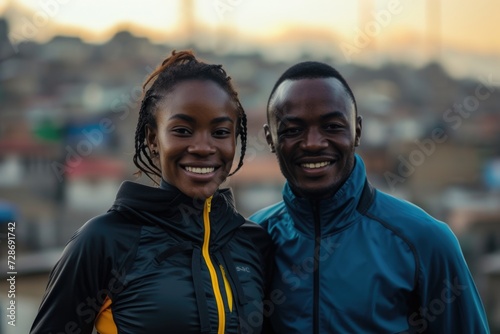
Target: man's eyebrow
x=333, y=114
x=289, y=119
x=294, y=119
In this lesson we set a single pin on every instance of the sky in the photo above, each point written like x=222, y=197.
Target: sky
x=462, y=32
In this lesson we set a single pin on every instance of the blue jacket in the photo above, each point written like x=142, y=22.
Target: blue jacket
x=366, y=262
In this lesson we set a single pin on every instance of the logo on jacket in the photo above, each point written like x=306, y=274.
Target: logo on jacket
x=243, y=268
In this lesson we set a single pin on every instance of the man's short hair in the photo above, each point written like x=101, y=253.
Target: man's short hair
x=311, y=70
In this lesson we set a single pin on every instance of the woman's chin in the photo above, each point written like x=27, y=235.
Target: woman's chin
x=201, y=193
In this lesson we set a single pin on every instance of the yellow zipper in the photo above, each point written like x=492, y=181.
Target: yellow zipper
x=211, y=268
x=229, y=293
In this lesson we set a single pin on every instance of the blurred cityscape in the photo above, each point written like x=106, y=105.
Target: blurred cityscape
x=67, y=123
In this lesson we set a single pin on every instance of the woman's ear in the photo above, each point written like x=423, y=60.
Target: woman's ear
x=152, y=140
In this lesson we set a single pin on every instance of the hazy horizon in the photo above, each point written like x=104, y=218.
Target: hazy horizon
x=459, y=34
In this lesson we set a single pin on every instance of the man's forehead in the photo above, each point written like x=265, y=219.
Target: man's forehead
x=329, y=91
x=279, y=93
x=290, y=90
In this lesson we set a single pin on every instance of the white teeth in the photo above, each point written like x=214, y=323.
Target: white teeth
x=316, y=164
x=200, y=170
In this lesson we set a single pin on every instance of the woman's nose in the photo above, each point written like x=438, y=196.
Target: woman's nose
x=202, y=144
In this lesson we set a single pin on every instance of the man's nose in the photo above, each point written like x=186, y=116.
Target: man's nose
x=314, y=140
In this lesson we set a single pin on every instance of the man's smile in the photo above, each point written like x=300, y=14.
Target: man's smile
x=313, y=165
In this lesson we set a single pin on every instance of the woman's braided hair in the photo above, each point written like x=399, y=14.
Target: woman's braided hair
x=180, y=66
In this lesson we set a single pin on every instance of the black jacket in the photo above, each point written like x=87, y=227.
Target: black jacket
x=157, y=262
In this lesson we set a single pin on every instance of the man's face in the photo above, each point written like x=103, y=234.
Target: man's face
x=313, y=130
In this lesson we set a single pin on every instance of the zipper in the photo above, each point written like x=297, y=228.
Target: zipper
x=227, y=286
x=317, y=244
x=211, y=268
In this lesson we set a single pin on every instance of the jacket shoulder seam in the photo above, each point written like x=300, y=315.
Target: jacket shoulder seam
x=127, y=264
x=402, y=237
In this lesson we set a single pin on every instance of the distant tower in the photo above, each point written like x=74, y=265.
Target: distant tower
x=433, y=17
x=7, y=50
x=365, y=11
x=187, y=14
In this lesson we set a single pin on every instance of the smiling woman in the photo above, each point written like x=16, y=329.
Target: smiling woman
x=174, y=260
x=190, y=118
x=194, y=137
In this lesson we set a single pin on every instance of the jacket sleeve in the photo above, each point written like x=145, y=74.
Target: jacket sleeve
x=78, y=284
x=449, y=300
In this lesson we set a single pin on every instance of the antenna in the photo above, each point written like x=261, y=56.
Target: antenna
x=434, y=28
x=365, y=17
x=187, y=14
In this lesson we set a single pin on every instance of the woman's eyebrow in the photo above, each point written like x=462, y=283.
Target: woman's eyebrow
x=190, y=119
x=222, y=119
x=183, y=117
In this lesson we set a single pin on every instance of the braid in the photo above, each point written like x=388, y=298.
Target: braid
x=141, y=148
x=242, y=132
x=180, y=57
x=178, y=67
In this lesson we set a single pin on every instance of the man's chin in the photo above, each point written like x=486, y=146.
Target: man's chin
x=314, y=192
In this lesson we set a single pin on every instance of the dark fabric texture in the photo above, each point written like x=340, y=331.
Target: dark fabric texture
x=145, y=254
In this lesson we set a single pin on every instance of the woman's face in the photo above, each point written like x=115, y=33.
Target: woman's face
x=195, y=137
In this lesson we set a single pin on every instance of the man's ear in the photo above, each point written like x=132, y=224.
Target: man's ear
x=269, y=138
x=152, y=140
x=358, y=128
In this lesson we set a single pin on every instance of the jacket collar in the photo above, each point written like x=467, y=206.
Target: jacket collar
x=175, y=212
x=336, y=212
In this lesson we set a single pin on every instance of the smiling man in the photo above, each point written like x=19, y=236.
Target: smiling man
x=350, y=258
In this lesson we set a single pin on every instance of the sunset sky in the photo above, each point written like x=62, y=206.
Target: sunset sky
x=464, y=33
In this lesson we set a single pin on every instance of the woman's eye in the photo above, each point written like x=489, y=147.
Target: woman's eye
x=181, y=131
x=222, y=133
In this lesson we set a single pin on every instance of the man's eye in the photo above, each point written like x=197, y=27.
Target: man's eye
x=290, y=131
x=333, y=126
